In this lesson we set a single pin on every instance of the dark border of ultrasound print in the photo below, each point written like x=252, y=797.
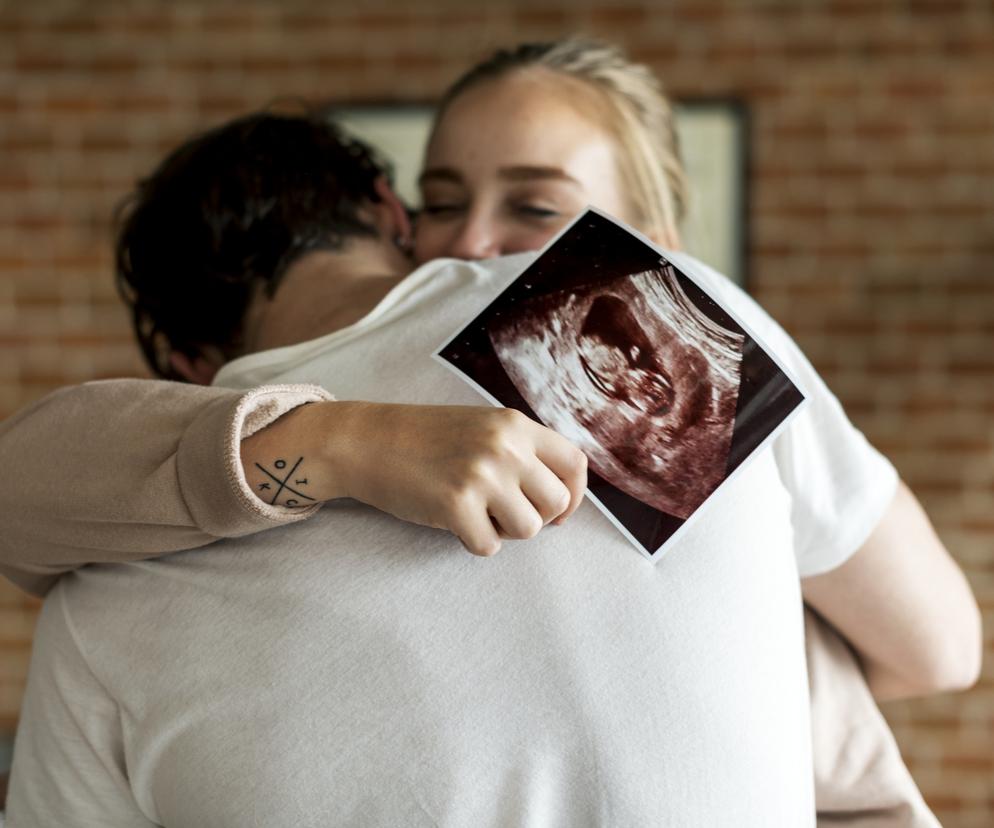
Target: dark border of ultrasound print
x=596, y=245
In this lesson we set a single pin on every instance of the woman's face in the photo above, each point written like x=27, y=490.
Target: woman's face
x=510, y=163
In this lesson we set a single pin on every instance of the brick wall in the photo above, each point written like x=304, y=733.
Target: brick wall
x=871, y=216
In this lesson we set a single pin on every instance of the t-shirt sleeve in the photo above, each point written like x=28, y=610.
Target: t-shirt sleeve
x=839, y=484
x=120, y=470
x=69, y=766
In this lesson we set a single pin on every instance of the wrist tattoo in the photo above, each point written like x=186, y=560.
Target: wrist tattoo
x=292, y=496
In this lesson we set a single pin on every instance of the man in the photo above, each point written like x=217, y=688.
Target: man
x=371, y=673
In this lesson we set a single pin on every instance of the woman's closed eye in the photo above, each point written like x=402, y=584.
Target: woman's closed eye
x=535, y=211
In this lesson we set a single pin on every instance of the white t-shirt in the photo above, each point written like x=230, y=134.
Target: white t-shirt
x=358, y=670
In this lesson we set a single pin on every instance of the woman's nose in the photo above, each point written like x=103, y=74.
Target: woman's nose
x=475, y=239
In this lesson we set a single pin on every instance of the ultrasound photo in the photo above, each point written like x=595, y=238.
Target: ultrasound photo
x=607, y=342
x=636, y=377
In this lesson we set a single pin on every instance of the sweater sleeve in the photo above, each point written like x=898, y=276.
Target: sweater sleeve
x=121, y=470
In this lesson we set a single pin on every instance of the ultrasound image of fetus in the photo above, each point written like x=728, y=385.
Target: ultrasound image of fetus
x=637, y=376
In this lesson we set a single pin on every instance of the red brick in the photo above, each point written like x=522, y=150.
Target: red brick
x=265, y=64
x=979, y=210
x=890, y=366
x=113, y=142
x=307, y=21
x=882, y=210
x=72, y=105
x=339, y=63
x=75, y=341
x=631, y=17
x=10, y=25
x=205, y=65
x=16, y=181
x=40, y=62
x=812, y=128
x=943, y=805
x=883, y=129
x=867, y=9
x=839, y=325
x=759, y=88
x=545, y=18
x=73, y=25
x=836, y=170
x=940, y=8
x=234, y=21
x=216, y=107
x=805, y=48
x=416, y=61
x=38, y=223
x=734, y=51
x=137, y=21
x=980, y=363
x=378, y=22
x=960, y=443
x=706, y=11
x=920, y=168
x=888, y=45
x=967, y=42
x=917, y=88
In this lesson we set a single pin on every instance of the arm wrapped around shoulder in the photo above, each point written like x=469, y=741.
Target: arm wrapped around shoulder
x=122, y=470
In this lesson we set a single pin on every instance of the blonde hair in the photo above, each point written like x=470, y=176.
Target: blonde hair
x=637, y=114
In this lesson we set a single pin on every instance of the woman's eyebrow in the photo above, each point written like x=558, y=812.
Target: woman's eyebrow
x=440, y=174
x=530, y=173
x=521, y=172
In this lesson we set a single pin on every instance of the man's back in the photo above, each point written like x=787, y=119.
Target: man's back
x=307, y=678
x=360, y=670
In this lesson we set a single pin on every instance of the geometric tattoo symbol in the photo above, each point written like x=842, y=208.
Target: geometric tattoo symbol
x=281, y=464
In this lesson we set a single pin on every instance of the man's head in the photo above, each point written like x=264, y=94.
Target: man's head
x=221, y=221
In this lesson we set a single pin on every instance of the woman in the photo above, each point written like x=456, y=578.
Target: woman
x=525, y=140
x=520, y=145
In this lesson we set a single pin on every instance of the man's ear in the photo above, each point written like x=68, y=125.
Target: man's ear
x=394, y=213
x=199, y=370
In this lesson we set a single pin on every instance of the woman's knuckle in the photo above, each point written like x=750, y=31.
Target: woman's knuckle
x=578, y=463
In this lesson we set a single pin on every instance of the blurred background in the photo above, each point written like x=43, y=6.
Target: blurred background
x=866, y=214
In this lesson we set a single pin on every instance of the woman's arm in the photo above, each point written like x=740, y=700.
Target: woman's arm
x=123, y=470
x=905, y=606
x=126, y=469
x=479, y=472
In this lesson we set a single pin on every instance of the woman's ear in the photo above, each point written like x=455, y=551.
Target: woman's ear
x=199, y=370
x=394, y=213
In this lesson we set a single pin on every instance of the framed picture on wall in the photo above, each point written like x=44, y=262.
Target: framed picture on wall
x=712, y=136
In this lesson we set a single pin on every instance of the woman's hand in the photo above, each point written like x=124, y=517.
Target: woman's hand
x=482, y=473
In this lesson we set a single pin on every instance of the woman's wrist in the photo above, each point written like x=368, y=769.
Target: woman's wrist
x=296, y=460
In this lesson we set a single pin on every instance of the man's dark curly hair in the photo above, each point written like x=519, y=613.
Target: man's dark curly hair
x=226, y=214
